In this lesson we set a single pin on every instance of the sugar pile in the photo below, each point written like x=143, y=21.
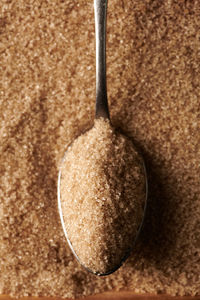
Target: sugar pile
x=103, y=193
x=47, y=92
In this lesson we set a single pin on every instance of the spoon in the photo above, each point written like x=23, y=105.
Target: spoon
x=102, y=111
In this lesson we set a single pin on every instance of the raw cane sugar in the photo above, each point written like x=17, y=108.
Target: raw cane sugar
x=103, y=196
x=47, y=94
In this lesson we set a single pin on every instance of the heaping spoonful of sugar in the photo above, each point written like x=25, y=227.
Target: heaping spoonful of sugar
x=102, y=182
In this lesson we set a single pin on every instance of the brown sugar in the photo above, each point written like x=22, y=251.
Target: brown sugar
x=47, y=92
x=103, y=196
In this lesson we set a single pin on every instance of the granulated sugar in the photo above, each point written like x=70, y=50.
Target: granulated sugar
x=103, y=193
x=47, y=92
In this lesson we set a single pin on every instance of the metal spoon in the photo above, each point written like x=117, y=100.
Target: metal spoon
x=102, y=111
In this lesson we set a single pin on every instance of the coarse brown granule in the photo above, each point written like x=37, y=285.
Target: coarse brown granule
x=47, y=92
x=103, y=196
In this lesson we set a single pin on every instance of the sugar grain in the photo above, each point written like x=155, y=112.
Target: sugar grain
x=47, y=92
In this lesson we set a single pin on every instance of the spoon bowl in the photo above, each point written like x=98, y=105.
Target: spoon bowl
x=132, y=244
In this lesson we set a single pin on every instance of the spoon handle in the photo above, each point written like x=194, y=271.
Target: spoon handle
x=100, y=8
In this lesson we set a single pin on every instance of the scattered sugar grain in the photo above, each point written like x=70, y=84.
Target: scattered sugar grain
x=153, y=91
